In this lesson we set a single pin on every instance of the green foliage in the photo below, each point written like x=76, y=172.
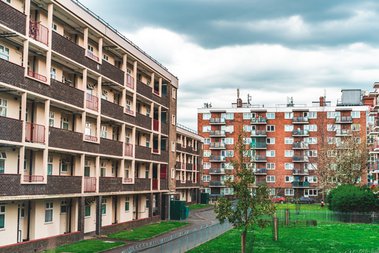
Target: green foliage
x=147, y=231
x=350, y=198
x=86, y=246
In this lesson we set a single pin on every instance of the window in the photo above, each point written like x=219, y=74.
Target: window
x=103, y=168
x=64, y=122
x=127, y=204
x=64, y=165
x=227, y=116
x=4, y=53
x=90, y=48
x=246, y=115
x=103, y=132
x=288, y=115
x=332, y=128
x=105, y=57
x=288, y=128
x=173, y=93
x=312, y=115
x=207, y=141
x=228, y=153
x=355, y=127
x=311, y=179
x=270, y=128
x=53, y=73
x=49, y=165
x=87, y=210
x=310, y=192
x=288, y=140
x=270, y=140
x=288, y=153
x=173, y=120
x=247, y=140
x=51, y=119
x=207, y=153
x=103, y=206
x=289, y=192
x=49, y=212
x=331, y=153
x=3, y=107
x=310, y=128
x=247, y=128
x=288, y=166
x=206, y=129
x=270, y=179
x=229, y=141
x=288, y=179
x=206, y=166
x=206, y=178
x=2, y=216
x=272, y=191
x=247, y=153
x=270, y=115
x=270, y=166
x=228, y=129
x=355, y=114
x=332, y=115
x=270, y=153
x=310, y=140
x=63, y=206
x=311, y=153
x=206, y=116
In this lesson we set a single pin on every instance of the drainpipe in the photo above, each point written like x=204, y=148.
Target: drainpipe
x=28, y=230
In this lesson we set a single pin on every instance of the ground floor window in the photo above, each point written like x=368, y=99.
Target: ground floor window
x=104, y=206
x=49, y=212
x=289, y=192
x=310, y=192
x=127, y=204
x=87, y=211
x=2, y=216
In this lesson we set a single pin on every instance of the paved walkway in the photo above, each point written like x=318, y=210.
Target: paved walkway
x=198, y=219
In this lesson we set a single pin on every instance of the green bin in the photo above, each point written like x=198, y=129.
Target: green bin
x=204, y=198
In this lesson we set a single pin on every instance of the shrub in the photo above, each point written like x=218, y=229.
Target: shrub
x=350, y=198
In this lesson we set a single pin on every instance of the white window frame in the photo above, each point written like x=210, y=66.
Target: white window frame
x=270, y=115
x=270, y=128
x=270, y=153
x=49, y=212
x=270, y=166
x=4, y=52
x=288, y=128
x=289, y=166
x=288, y=140
x=288, y=153
x=103, y=131
x=289, y=192
x=206, y=116
x=270, y=179
x=3, y=107
x=270, y=140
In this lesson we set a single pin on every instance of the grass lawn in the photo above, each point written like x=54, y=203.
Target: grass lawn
x=339, y=237
x=305, y=207
x=198, y=206
x=86, y=246
x=147, y=231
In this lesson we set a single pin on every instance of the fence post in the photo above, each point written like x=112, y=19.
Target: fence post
x=275, y=227
x=287, y=217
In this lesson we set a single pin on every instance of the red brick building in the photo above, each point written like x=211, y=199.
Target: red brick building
x=283, y=140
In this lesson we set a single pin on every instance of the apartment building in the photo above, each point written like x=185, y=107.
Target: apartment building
x=283, y=141
x=188, y=168
x=86, y=120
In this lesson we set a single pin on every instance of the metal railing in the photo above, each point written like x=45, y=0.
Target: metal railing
x=300, y=145
x=258, y=133
x=217, y=145
x=37, y=76
x=33, y=178
x=344, y=119
x=34, y=133
x=92, y=102
x=217, y=133
x=300, y=119
x=155, y=125
x=300, y=132
x=89, y=184
x=91, y=55
x=258, y=145
x=217, y=158
x=130, y=81
x=260, y=120
x=38, y=32
x=300, y=184
x=262, y=171
x=217, y=120
x=90, y=138
x=128, y=149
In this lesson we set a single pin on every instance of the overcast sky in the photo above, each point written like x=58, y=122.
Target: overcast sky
x=271, y=49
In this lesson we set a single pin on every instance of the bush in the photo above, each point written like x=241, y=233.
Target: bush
x=350, y=198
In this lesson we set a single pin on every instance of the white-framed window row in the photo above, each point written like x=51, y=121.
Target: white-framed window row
x=288, y=179
x=355, y=127
x=207, y=141
x=310, y=140
x=206, y=166
x=206, y=153
x=206, y=116
x=311, y=153
x=311, y=179
x=228, y=141
x=311, y=128
x=288, y=115
x=288, y=128
x=246, y=140
x=49, y=211
x=270, y=179
x=312, y=115
x=227, y=116
x=103, y=131
x=333, y=115
x=288, y=166
x=247, y=128
x=288, y=140
x=355, y=114
x=310, y=192
x=206, y=129
x=246, y=115
x=289, y=192
x=227, y=129
x=270, y=115
x=65, y=122
x=288, y=153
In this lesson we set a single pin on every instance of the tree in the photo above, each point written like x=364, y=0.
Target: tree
x=249, y=205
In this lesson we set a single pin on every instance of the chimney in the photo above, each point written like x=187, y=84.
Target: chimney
x=239, y=100
x=322, y=101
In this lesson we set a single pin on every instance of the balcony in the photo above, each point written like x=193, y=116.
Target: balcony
x=12, y=18
x=299, y=184
x=142, y=184
x=155, y=184
x=38, y=32
x=37, y=76
x=92, y=56
x=33, y=178
x=260, y=172
x=112, y=72
x=300, y=159
x=343, y=132
x=217, y=145
x=259, y=133
x=155, y=125
x=129, y=81
x=216, y=171
x=300, y=133
x=11, y=129
x=300, y=172
x=186, y=184
x=164, y=128
x=259, y=121
x=143, y=152
x=128, y=149
x=217, y=183
x=92, y=102
x=258, y=145
x=259, y=159
x=91, y=138
x=110, y=147
x=144, y=89
x=66, y=139
x=143, y=121
x=66, y=93
x=89, y=184
x=300, y=145
x=179, y=166
x=344, y=120
x=300, y=120
x=217, y=121
x=112, y=110
x=34, y=133
x=113, y=184
x=214, y=158
x=217, y=133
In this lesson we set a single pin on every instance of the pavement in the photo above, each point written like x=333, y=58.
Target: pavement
x=197, y=218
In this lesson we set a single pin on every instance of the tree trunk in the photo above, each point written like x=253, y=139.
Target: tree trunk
x=243, y=241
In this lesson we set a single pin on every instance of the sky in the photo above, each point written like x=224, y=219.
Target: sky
x=270, y=49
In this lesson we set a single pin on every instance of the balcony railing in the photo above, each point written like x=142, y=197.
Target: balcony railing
x=259, y=158
x=130, y=81
x=217, y=133
x=300, y=145
x=217, y=183
x=38, y=32
x=344, y=119
x=91, y=55
x=37, y=76
x=258, y=145
x=217, y=145
x=260, y=120
x=343, y=132
x=34, y=133
x=129, y=111
x=300, y=172
x=217, y=158
x=300, y=132
x=128, y=149
x=127, y=180
x=90, y=138
x=258, y=133
x=33, y=178
x=92, y=102
x=155, y=125
x=217, y=120
x=300, y=159
x=217, y=171
x=300, y=184
x=89, y=184
x=300, y=120
x=262, y=171
x=155, y=184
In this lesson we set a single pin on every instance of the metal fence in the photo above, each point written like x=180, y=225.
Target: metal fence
x=181, y=241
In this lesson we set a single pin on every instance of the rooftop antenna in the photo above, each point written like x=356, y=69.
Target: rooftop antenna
x=238, y=93
x=324, y=93
x=249, y=98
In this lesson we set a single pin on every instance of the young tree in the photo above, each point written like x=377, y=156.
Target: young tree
x=249, y=205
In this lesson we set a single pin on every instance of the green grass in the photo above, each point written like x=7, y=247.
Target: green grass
x=86, y=246
x=308, y=207
x=339, y=237
x=198, y=206
x=147, y=231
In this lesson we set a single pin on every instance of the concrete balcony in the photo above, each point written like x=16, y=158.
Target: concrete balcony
x=143, y=121
x=300, y=133
x=114, y=184
x=143, y=152
x=217, y=121
x=144, y=89
x=67, y=93
x=11, y=129
x=112, y=72
x=217, y=133
x=217, y=145
x=300, y=120
x=259, y=133
x=343, y=132
x=65, y=139
x=112, y=110
x=187, y=184
x=259, y=121
x=110, y=147
x=344, y=120
x=142, y=184
x=299, y=184
x=12, y=18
